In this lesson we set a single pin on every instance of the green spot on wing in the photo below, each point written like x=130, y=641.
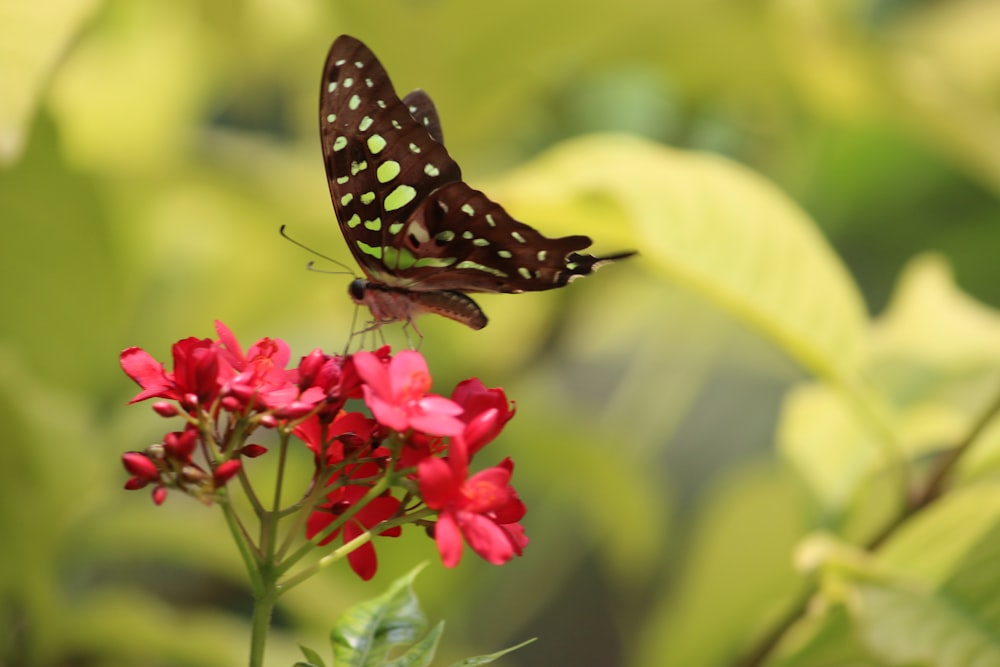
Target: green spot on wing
x=387, y=171
x=481, y=267
x=376, y=143
x=339, y=143
x=468, y=210
x=354, y=103
x=330, y=117
x=445, y=236
x=346, y=199
x=374, y=251
x=398, y=258
x=482, y=243
x=431, y=170
x=525, y=273
x=374, y=225
x=365, y=123
x=367, y=198
x=517, y=237
x=400, y=197
x=506, y=254
x=395, y=228
x=439, y=262
x=541, y=255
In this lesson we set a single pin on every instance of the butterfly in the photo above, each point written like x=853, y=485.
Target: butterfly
x=423, y=237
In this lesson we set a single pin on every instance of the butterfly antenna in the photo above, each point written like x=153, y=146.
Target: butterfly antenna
x=347, y=269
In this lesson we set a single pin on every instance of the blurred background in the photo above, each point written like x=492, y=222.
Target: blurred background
x=149, y=152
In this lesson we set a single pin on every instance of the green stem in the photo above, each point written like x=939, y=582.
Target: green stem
x=309, y=546
x=263, y=608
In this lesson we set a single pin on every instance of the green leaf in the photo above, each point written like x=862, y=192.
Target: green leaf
x=931, y=371
x=366, y=633
x=486, y=659
x=928, y=597
x=34, y=36
x=421, y=653
x=313, y=657
x=907, y=627
x=939, y=546
x=740, y=574
x=711, y=225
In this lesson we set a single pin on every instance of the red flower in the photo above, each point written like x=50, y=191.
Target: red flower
x=327, y=440
x=397, y=395
x=195, y=380
x=484, y=411
x=483, y=509
x=362, y=560
x=260, y=373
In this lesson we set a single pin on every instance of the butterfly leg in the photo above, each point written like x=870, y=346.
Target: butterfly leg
x=420, y=336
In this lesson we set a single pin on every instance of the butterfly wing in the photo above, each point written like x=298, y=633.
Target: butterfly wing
x=409, y=220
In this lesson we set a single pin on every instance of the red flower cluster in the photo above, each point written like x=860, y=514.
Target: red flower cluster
x=415, y=443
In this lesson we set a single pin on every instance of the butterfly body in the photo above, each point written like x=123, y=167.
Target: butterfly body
x=422, y=236
x=398, y=304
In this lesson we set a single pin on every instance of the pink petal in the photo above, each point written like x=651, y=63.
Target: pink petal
x=448, y=539
x=486, y=538
x=231, y=349
x=408, y=374
x=434, y=424
x=437, y=485
x=385, y=413
x=363, y=560
x=147, y=372
x=373, y=373
x=440, y=405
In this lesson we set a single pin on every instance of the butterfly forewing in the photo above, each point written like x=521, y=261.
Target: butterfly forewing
x=381, y=162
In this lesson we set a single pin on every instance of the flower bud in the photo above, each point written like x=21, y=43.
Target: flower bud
x=165, y=409
x=226, y=471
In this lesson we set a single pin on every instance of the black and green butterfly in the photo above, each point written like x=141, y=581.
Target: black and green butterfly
x=423, y=238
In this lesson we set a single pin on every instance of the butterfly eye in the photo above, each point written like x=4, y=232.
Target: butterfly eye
x=357, y=290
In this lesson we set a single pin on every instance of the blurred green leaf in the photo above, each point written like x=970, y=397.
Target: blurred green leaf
x=931, y=370
x=34, y=36
x=713, y=226
x=905, y=627
x=492, y=657
x=944, y=64
x=739, y=572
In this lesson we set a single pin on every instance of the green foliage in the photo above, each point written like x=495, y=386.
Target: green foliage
x=780, y=417
x=376, y=633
